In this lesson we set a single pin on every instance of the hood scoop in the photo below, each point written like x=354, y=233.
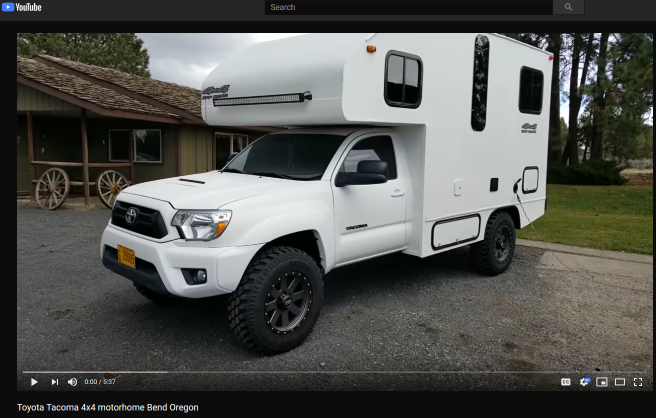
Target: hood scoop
x=189, y=182
x=193, y=181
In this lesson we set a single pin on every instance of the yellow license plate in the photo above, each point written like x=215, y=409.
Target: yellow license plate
x=126, y=256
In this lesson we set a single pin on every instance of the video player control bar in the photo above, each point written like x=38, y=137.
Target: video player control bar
x=426, y=7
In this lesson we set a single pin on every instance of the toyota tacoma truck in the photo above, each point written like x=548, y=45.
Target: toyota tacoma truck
x=411, y=143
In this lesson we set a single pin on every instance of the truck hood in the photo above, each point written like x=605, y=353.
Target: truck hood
x=208, y=190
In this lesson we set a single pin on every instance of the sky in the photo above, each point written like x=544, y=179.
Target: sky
x=187, y=58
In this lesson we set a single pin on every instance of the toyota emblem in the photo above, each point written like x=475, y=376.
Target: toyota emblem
x=131, y=216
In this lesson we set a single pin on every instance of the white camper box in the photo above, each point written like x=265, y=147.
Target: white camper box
x=456, y=176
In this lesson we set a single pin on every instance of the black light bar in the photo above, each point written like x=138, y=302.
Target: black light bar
x=257, y=100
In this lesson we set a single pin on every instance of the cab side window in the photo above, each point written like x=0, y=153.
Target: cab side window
x=375, y=148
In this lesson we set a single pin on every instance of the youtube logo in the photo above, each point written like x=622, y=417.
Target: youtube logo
x=7, y=7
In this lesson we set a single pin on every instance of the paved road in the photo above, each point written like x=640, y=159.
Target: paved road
x=428, y=319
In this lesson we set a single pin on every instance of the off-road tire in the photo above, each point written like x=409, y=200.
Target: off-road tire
x=483, y=254
x=152, y=295
x=246, y=306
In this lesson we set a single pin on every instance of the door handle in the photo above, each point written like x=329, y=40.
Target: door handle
x=397, y=193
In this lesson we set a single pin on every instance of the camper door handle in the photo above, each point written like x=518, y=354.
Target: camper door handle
x=398, y=193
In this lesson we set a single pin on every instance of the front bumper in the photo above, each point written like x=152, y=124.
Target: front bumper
x=159, y=264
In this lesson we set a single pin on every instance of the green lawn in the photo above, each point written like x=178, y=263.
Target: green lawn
x=618, y=218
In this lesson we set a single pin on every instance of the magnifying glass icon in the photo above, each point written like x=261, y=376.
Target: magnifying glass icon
x=568, y=7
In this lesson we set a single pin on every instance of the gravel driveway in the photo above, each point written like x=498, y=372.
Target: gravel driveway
x=393, y=323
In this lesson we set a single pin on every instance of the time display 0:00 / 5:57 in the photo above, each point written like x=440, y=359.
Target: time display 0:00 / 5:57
x=99, y=381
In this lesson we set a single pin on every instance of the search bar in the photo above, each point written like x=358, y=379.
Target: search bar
x=425, y=7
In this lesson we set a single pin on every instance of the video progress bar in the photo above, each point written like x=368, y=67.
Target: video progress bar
x=408, y=8
x=334, y=372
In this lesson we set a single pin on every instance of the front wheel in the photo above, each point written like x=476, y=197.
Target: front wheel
x=278, y=301
x=493, y=255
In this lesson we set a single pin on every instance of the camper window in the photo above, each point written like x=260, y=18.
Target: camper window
x=376, y=148
x=531, y=85
x=479, y=89
x=403, y=80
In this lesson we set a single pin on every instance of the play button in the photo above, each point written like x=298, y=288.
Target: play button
x=34, y=382
x=7, y=7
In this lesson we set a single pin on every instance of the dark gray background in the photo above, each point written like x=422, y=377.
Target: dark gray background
x=217, y=10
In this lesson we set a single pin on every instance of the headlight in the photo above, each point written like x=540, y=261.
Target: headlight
x=203, y=225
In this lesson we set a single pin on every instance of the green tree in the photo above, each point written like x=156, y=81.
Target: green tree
x=582, y=50
x=119, y=51
x=622, y=95
x=563, y=132
x=555, y=46
x=645, y=143
x=601, y=90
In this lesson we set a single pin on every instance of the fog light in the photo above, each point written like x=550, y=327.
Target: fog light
x=194, y=276
x=200, y=277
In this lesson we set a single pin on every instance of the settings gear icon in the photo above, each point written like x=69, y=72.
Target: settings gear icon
x=585, y=381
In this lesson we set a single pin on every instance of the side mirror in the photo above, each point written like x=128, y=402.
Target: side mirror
x=373, y=167
x=369, y=172
x=355, y=179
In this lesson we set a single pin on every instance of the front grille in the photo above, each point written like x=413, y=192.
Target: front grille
x=149, y=222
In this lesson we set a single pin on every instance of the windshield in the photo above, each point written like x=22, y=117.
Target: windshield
x=291, y=156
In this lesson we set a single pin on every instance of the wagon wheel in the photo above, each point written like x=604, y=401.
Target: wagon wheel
x=52, y=188
x=109, y=185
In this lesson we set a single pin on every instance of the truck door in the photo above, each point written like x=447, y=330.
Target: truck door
x=369, y=219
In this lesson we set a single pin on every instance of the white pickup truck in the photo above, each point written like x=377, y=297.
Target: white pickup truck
x=396, y=151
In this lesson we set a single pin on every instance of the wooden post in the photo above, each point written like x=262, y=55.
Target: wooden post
x=132, y=158
x=178, y=153
x=85, y=158
x=30, y=153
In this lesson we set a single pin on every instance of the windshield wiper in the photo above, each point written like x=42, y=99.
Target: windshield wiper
x=276, y=175
x=232, y=170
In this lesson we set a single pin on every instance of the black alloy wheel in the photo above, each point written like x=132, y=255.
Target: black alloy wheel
x=278, y=300
x=502, y=244
x=288, y=300
x=494, y=254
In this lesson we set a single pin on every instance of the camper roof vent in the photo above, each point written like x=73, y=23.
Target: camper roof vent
x=257, y=100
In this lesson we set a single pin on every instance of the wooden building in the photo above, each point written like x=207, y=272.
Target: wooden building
x=91, y=118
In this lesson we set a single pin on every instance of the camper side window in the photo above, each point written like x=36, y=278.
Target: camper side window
x=531, y=86
x=403, y=80
x=375, y=148
x=479, y=88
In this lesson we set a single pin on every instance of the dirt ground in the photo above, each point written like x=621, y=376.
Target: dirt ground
x=639, y=177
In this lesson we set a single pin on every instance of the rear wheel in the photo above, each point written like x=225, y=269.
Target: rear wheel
x=278, y=301
x=494, y=254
